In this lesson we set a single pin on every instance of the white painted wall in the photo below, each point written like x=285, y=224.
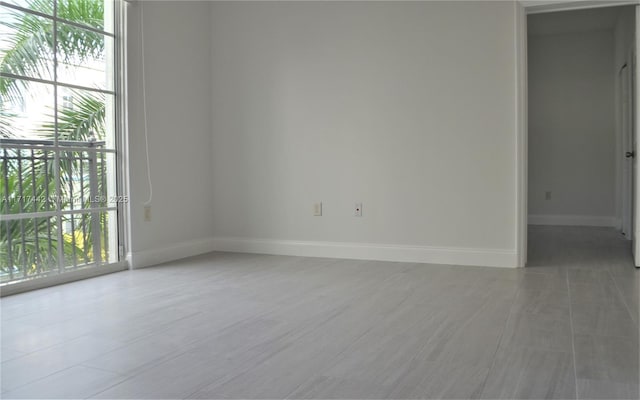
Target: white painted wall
x=178, y=60
x=409, y=108
x=571, y=129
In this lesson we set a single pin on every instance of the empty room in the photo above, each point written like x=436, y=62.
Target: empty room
x=319, y=199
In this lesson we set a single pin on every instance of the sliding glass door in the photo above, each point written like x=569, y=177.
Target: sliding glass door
x=58, y=137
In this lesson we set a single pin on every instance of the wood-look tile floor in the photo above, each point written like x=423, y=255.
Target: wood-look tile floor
x=255, y=326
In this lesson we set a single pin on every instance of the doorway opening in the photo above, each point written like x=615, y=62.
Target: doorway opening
x=581, y=141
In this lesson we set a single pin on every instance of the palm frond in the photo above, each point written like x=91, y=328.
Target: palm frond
x=30, y=51
x=30, y=41
x=86, y=12
x=84, y=119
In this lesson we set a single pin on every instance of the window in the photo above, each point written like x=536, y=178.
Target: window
x=60, y=202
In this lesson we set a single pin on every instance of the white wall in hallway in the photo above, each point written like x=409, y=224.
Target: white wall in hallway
x=572, y=128
x=406, y=107
x=178, y=64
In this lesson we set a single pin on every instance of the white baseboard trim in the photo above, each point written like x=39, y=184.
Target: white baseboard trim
x=574, y=220
x=148, y=258
x=366, y=251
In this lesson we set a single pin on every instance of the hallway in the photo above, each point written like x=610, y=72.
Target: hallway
x=600, y=294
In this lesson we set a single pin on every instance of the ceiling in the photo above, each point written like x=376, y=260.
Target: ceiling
x=590, y=20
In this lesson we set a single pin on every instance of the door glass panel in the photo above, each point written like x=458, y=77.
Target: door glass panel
x=26, y=47
x=58, y=168
x=30, y=114
x=85, y=58
x=43, y=6
x=92, y=13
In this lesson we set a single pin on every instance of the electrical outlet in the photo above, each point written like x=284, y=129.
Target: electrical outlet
x=358, y=210
x=547, y=195
x=147, y=213
x=317, y=209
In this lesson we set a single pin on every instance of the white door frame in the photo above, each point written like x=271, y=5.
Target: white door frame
x=522, y=9
x=636, y=105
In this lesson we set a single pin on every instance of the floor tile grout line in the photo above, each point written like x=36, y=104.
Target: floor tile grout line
x=92, y=333
x=573, y=341
x=36, y=380
x=626, y=306
x=129, y=377
x=167, y=358
x=49, y=347
x=93, y=299
x=495, y=353
x=633, y=317
x=80, y=364
x=170, y=358
x=99, y=369
x=333, y=314
x=335, y=358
